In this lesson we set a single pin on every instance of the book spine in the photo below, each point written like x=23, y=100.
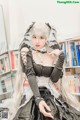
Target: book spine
x=72, y=51
x=69, y=54
x=12, y=60
x=78, y=53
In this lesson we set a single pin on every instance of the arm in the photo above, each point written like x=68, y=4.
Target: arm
x=26, y=62
x=56, y=73
x=27, y=66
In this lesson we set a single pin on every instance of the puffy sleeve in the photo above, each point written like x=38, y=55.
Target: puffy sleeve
x=57, y=71
x=27, y=66
x=54, y=44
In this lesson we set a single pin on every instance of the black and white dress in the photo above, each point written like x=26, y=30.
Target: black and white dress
x=41, y=79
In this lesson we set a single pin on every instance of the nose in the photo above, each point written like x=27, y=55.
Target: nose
x=37, y=40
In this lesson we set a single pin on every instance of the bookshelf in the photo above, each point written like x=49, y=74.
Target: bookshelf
x=71, y=49
x=8, y=68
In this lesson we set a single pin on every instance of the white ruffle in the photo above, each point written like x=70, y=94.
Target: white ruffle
x=42, y=82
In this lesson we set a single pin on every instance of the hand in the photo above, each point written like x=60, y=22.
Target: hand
x=43, y=107
x=55, y=52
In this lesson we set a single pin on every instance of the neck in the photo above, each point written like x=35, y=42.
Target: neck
x=42, y=50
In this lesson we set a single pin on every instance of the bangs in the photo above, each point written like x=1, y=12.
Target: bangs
x=38, y=33
x=40, y=29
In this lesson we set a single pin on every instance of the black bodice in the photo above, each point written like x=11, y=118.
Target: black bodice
x=41, y=70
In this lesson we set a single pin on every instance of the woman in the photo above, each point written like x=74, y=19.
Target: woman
x=41, y=63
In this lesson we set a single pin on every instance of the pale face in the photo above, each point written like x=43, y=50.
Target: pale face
x=38, y=41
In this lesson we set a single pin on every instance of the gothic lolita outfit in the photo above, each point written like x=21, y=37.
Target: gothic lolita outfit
x=41, y=78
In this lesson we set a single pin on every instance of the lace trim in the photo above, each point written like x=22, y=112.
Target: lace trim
x=23, y=55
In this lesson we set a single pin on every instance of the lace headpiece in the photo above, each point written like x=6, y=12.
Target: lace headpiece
x=41, y=29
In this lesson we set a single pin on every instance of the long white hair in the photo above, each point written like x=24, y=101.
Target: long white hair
x=64, y=90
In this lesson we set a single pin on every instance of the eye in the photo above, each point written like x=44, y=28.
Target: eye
x=34, y=37
x=41, y=37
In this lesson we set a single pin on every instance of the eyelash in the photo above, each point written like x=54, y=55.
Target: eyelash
x=42, y=37
x=36, y=37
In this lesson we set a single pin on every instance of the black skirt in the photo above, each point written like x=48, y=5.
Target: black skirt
x=59, y=109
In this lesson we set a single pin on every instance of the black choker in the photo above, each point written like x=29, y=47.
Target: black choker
x=39, y=51
x=42, y=51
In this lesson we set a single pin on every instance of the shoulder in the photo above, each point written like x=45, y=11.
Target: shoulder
x=54, y=44
x=24, y=49
x=24, y=45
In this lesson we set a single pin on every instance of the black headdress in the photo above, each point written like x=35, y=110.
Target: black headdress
x=52, y=40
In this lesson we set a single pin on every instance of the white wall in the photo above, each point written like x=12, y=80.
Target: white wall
x=65, y=17
x=5, y=7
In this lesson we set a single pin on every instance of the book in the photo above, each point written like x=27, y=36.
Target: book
x=73, y=82
x=69, y=54
x=3, y=86
x=4, y=63
x=6, y=83
x=74, y=60
x=14, y=59
x=77, y=44
x=69, y=71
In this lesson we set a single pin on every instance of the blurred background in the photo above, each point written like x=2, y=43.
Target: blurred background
x=16, y=16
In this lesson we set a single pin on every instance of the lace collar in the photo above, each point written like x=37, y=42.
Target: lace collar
x=42, y=50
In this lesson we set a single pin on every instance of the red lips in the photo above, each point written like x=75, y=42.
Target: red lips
x=37, y=45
